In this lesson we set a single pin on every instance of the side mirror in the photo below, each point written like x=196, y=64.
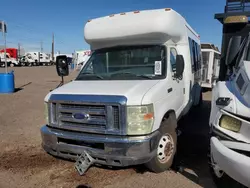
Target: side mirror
x=233, y=49
x=62, y=66
x=179, y=66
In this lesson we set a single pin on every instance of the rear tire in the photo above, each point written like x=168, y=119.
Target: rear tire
x=200, y=101
x=167, y=145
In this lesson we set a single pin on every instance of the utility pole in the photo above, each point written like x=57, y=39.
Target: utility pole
x=53, y=46
x=41, y=46
x=19, y=51
x=4, y=36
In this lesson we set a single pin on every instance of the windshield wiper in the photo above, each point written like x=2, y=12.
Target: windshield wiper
x=130, y=73
x=90, y=74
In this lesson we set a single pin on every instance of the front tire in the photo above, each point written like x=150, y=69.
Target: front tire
x=167, y=145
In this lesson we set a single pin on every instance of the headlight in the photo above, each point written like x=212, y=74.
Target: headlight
x=230, y=123
x=140, y=119
x=46, y=112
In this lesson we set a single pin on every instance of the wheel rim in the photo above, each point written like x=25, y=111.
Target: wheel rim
x=217, y=171
x=11, y=65
x=165, y=148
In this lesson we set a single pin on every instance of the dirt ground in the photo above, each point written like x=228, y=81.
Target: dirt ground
x=23, y=163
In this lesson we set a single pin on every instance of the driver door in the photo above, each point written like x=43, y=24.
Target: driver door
x=176, y=85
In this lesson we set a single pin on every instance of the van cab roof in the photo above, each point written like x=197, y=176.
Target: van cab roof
x=138, y=27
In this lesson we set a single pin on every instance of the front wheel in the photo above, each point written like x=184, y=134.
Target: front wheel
x=166, y=148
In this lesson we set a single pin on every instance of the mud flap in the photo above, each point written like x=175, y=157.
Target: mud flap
x=84, y=162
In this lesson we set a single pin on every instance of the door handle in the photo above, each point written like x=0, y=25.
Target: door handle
x=170, y=90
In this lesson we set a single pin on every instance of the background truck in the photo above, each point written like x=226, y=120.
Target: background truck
x=230, y=111
x=13, y=52
x=35, y=59
x=123, y=107
x=210, y=66
x=10, y=60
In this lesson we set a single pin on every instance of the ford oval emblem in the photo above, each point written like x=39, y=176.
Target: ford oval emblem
x=81, y=116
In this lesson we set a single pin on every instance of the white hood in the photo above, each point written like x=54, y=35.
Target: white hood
x=133, y=90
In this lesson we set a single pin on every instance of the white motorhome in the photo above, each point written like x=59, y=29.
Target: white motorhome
x=36, y=58
x=122, y=109
x=10, y=61
x=230, y=105
x=210, y=65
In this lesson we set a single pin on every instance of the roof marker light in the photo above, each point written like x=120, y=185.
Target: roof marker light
x=89, y=20
x=112, y=15
x=167, y=9
x=136, y=12
x=123, y=13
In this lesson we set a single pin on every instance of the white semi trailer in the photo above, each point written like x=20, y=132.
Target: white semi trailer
x=123, y=108
x=81, y=57
x=35, y=58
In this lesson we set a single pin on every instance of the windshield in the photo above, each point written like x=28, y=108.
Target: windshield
x=125, y=63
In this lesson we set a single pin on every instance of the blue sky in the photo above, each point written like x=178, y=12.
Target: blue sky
x=32, y=21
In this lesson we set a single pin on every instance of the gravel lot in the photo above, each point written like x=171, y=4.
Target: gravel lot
x=23, y=163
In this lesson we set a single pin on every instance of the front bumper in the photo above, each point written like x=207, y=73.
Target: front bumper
x=234, y=164
x=106, y=149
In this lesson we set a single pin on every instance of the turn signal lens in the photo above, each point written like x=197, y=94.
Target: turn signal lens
x=230, y=123
x=148, y=116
